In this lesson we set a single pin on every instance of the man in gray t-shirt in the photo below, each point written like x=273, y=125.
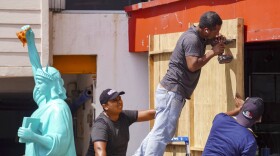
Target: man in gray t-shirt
x=181, y=79
x=110, y=132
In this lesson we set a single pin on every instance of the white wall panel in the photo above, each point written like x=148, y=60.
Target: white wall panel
x=13, y=15
x=9, y=30
x=14, y=45
x=20, y=4
x=20, y=17
x=14, y=60
x=11, y=72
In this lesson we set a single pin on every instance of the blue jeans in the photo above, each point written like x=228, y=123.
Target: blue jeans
x=168, y=108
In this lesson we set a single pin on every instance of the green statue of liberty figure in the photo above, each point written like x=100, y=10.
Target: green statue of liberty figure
x=53, y=136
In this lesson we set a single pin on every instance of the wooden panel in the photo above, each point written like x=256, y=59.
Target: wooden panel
x=20, y=17
x=175, y=150
x=161, y=47
x=20, y=4
x=196, y=153
x=9, y=30
x=218, y=84
x=216, y=89
x=14, y=45
x=75, y=64
x=163, y=43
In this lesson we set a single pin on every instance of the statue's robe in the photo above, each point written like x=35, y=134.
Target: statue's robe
x=56, y=123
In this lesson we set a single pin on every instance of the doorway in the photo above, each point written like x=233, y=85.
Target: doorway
x=262, y=79
x=13, y=107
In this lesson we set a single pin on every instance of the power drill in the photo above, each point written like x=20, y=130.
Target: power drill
x=226, y=58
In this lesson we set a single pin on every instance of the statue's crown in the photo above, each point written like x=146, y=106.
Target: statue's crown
x=44, y=74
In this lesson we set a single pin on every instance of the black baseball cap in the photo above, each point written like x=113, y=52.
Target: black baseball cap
x=251, y=111
x=109, y=94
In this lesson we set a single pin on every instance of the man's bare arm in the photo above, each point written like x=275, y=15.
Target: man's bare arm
x=195, y=63
x=146, y=115
x=238, y=105
x=100, y=148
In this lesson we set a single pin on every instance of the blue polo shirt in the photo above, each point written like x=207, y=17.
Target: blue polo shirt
x=228, y=138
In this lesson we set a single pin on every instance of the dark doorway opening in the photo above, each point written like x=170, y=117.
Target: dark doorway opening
x=13, y=107
x=262, y=79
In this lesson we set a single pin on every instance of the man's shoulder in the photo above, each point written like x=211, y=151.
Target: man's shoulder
x=129, y=115
x=190, y=37
x=222, y=116
x=190, y=34
x=101, y=117
x=129, y=111
x=101, y=123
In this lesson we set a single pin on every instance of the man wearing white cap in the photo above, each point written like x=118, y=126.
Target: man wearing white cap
x=231, y=135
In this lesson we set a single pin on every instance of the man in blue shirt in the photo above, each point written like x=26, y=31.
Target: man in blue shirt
x=231, y=135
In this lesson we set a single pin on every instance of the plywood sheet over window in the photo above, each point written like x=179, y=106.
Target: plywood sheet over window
x=216, y=89
x=218, y=84
x=161, y=47
x=75, y=64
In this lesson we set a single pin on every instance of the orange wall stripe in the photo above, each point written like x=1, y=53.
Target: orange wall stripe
x=75, y=64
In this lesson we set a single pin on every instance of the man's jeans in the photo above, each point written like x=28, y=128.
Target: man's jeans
x=168, y=108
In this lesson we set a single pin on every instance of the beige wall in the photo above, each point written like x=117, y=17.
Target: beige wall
x=106, y=35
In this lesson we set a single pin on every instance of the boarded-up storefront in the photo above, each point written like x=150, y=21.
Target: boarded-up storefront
x=216, y=89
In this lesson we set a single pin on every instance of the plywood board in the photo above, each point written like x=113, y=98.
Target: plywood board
x=161, y=50
x=175, y=150
x=164, y=43
x=218, y=84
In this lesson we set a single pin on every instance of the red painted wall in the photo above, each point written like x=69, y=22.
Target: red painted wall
x=261, y=18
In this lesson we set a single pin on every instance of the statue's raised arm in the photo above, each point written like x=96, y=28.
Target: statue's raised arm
x=26, y=35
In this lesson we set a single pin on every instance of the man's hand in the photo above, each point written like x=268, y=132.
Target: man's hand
x=218, y=45
x=218, y=39
x=238, y=101
x=218, y=48
x=238, y=105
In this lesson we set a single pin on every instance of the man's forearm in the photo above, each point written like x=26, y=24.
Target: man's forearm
x=200, y=62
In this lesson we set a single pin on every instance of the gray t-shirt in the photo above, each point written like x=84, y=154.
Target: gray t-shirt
x=179, y=78
x=116, y=134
